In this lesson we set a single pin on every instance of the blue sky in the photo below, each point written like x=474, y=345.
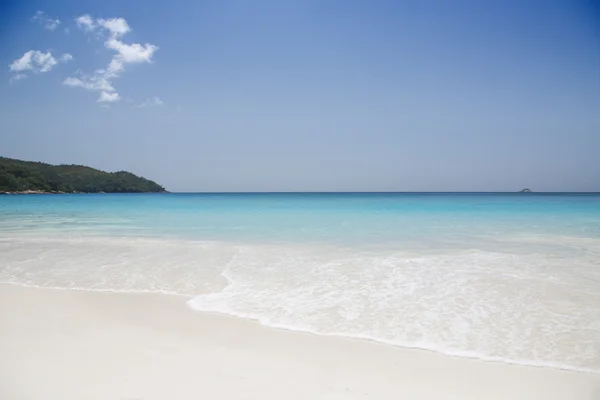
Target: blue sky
x=308, y=95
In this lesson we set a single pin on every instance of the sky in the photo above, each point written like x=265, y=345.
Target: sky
x=328, y=95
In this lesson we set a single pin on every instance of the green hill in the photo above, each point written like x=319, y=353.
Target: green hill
x=23, y=176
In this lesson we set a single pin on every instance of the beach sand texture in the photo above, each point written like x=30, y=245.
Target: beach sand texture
x=73, y=345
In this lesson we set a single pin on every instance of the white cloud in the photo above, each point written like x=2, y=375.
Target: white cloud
x=131, y=53
x=36, y=61
x=125, y=53
x=96, y=82
x=116, y=26
x=49, y=23
x=75, y=82
x=85, y=22
x=106, y=97
x=151, y=102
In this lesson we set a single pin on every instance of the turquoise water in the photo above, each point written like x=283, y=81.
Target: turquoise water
x=350, y=218
x=506, y=277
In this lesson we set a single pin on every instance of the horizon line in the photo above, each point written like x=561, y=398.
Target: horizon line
x=381, y=192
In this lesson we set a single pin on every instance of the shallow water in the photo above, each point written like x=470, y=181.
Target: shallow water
x=506, y=277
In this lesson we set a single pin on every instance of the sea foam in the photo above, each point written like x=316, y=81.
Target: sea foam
x=535, y=308
x=529, y=310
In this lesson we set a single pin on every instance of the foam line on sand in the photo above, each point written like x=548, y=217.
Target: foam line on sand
x=73, y=345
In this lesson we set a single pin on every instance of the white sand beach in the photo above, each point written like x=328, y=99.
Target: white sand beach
x=73, y=345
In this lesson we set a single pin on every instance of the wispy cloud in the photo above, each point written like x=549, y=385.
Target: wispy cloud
x=17, y=77
x=49, y=23
x=66, y=57
x=151, y=102
x=113, y=30
x=37, y=62
x=85, y=22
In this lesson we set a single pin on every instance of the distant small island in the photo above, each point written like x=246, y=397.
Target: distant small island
x=27, y=177
x=525, y=191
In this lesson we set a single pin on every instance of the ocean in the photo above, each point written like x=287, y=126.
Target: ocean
x=511, y=278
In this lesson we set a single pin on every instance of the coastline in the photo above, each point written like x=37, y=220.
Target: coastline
x=34, y=192
x=59, y=192
x=99, y=345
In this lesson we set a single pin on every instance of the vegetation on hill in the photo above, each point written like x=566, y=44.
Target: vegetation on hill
x=23, y=176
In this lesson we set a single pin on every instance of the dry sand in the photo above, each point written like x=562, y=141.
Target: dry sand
x=69, y=345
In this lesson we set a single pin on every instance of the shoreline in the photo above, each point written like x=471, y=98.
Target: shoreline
x=99, y=345
x=59, y=192
x=187, y=298
x=450, y=353
x=35, y=192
